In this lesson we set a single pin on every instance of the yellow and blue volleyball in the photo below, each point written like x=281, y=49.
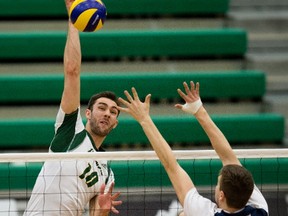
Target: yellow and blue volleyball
x=88, y=15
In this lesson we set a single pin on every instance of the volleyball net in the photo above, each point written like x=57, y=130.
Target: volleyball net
x=144, y=185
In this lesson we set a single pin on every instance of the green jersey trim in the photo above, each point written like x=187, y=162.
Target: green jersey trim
x=65, y=133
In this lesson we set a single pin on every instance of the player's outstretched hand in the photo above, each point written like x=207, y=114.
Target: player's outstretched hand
x=191, y=97
x=133, y=106
x=106, y=202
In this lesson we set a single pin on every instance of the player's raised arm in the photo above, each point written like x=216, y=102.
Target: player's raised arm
x=140, y=111
x=194, y=106
x=72, y=65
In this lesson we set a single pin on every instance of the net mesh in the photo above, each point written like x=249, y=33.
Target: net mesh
x=144, y=185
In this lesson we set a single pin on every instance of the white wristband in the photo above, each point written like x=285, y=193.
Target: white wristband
x=192, y=107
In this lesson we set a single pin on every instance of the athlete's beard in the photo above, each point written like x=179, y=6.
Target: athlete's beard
x=97, y=130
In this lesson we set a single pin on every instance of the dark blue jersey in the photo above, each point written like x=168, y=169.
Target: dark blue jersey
x=247, y=211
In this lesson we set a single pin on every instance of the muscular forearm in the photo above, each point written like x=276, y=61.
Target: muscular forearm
x=72, y=52
x=217, y=138
x=158, y=143
x=72, y=63
x=178, y=177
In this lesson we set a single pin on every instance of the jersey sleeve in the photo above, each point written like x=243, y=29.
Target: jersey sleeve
x=195, y=204
x=257, y=200
x=66, y=126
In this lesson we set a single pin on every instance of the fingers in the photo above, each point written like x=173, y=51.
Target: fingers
x=182, y=95
x=116, y=202
x=122, y=101
x=111, y=187
x=131, y=99
x=186, y=87
x=178, y=106
x=114, y=210
x=148, y=99
x=115, y=196
x=102, y=189
x=194, y=88
x=197, y=90
x=135, y=94
x=193, y=91
x=128, y=96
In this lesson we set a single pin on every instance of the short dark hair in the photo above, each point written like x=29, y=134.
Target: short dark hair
x=237, y=184
x=106, y=94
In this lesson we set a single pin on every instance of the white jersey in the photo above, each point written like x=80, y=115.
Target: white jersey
x=195, y=204
x=66, y=187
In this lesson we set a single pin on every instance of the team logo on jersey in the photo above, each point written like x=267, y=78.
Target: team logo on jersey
x=90, y=178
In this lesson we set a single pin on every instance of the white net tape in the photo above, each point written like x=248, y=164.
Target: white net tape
x=140, y=155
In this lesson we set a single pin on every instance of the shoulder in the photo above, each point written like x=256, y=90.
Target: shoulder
x=196, y=204
x=259, y=212
x=257, y=200
x=65, y=117
x=72, y=121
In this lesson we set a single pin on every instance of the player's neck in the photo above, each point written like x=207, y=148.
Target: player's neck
x=97, y=139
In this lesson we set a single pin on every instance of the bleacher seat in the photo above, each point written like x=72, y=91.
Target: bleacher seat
x=47, y=89
x=184, y=43
x=239, y=129
x=51, y=9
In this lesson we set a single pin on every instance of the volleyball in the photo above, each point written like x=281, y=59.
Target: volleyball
x=88, y=15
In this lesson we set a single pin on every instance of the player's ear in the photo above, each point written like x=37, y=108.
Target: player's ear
x=221, y=195
x=88, y=114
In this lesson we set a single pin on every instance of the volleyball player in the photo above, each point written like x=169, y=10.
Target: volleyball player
x=235, y=193
x=66, y=187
